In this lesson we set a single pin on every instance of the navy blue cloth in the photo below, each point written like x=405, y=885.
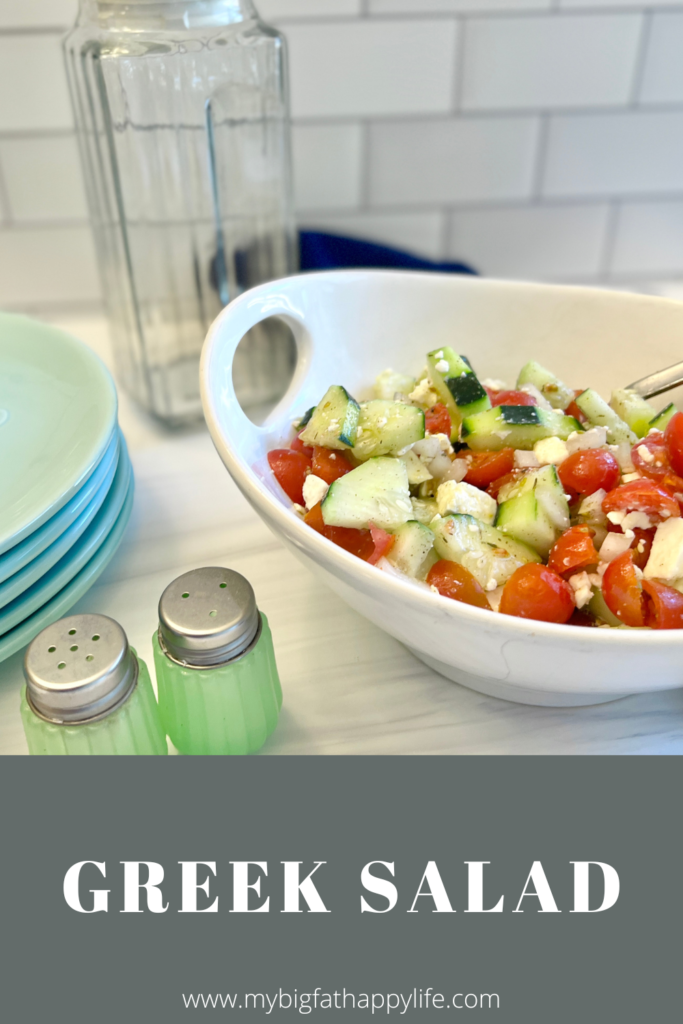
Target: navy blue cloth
x=319, y=250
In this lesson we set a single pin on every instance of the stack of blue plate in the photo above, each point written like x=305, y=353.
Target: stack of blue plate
x=66, y=483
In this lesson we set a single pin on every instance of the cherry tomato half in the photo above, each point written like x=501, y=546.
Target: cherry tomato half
x=485, y=467
x=497, y=485
x=512, y=398
x=458, y=583
x=573, y=409
x=297, y=445
x=358, y=542
x=623, y=591
x=574, y=550
x=652, y=458
x=383, y=542
x=586, y=472
x=329, y=465
x=438, y=420
x=642, y=545
x=642, y=496
x=674, y=439
x=290, y=469
x=536, y=592
x=663, y=606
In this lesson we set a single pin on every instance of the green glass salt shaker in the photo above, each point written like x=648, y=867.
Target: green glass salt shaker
x=87, y=692
x=219, y=690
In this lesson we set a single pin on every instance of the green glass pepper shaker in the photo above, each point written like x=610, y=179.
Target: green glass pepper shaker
x=87, y=692
x=219, y=690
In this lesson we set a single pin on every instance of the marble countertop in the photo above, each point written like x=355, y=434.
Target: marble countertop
x=348, y=687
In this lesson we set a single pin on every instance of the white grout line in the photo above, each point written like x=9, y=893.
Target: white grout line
x=611, y=229
x=459, y=64
x=541, y=154
x=641, y=58
x=365, y=166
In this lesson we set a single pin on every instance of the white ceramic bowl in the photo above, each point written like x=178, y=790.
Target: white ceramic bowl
x=349, y=326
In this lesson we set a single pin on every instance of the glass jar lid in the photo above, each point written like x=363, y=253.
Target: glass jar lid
x=208, y=617
x=79, y=669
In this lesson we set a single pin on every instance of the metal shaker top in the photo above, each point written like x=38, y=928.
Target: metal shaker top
x=79, y=669
x=208, y=617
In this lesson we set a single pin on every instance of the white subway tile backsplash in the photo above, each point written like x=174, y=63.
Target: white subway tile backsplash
x=649, y=238
x=43, y=178
x=50, y=265
x=327, y=165
x=418, y=233
x=33, y=90
x=542, y=242
x=603, y=4
x=549, y=61
x=662, y=80
x=372, y=68
x=276, y=9
x=454, y=6
x=614, y=154
x=450, y=161
x=37, y=13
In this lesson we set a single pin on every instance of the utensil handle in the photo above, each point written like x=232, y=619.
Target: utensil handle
x=658, y=383
x=223, y=410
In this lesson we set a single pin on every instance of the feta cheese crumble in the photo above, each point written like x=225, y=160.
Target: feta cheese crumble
x=582, y=587
x=551, y=451
x=423, y=393
x=314, y=490
x=666, y=557
x=467, y=500
x=441, y=366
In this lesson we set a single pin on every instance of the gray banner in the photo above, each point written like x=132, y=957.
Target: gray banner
x=618, y=965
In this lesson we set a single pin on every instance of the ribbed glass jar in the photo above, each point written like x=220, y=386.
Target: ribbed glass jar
x=181, y=111
x=133, y=728
x=226, y=709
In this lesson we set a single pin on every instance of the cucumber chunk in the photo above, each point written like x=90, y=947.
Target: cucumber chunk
x=598, y=607
x=633, y=410
x=599, y=413
x=334, y=421
x=458, y=387
x=376, y=492
x=412, y=543
x=661, y=420
x=489, y=554
x=550, y=386
x=515, y=426
x=424, y=509
x=305, y=419
x=536, y=510
x=385, y=428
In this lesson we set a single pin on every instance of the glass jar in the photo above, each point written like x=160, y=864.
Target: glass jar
x=181, y=112
x=219, y=689
x=87, y=692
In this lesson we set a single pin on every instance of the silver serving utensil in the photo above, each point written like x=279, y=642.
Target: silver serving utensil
x=659, y=382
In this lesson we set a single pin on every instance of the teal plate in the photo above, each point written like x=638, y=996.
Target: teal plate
x=59, y=605
x=90, y=496
x=75, y=559
x=40, y=566
x=57, y=415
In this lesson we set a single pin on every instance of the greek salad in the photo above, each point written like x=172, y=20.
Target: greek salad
x=536, y=500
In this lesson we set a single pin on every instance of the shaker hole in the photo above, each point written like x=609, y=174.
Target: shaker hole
x=96, y=636
x=185, y=594
x=74, y=647
x=213, y=613
x=90, y=657
x=222, y=585
x=62, y=664
x=72, y=632
x=51, y=650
